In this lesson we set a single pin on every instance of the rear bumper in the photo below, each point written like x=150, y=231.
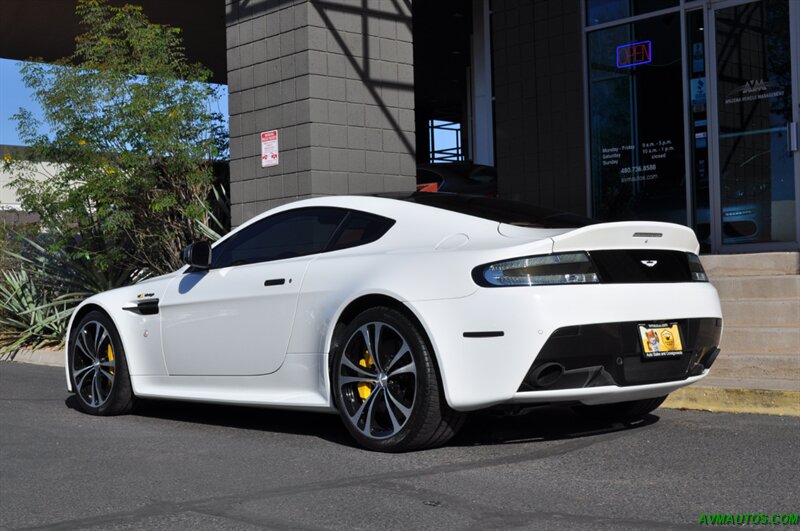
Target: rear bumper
x=611, y=354
x=603, y=395
x=508, y=329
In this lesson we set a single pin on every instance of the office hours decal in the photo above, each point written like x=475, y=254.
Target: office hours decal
x=632, y=163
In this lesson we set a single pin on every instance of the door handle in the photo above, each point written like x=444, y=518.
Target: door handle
x=793, y=132
x=275, y=282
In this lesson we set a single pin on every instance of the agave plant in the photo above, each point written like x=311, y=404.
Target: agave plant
x=30, y=315
x=38, y=296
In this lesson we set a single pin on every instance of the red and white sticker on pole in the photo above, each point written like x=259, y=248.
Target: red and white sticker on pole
x=269, y=148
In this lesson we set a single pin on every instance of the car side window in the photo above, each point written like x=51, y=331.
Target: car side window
x=360, y=228
x=287, y=234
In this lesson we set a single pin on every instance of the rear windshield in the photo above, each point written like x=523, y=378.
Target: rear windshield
x=501, y=210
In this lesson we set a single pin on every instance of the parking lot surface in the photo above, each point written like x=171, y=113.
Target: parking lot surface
x=174, y=465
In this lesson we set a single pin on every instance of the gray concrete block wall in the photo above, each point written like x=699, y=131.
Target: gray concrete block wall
x=538, y=90
x=336, y=81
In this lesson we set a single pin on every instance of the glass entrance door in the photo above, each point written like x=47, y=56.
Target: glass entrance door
x=755, y=128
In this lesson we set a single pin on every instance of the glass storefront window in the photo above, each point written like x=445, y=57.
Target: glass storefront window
x=636, y=120
x=599, y=11
x=719, y=123
x=754, y=102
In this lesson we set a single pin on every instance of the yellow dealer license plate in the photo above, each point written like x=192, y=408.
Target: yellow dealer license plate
x=661, y=340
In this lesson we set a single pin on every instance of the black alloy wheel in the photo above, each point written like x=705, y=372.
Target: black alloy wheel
x=98, y=368
x=386, y=386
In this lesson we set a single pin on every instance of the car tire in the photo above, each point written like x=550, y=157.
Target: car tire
x=621, y=411
x=386, y=386
x=98, y=368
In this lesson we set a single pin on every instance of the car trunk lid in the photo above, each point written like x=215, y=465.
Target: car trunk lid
x=628, y=235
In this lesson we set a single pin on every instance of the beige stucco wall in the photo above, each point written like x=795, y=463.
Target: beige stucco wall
x=8, y=197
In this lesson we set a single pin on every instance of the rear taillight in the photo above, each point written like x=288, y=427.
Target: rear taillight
x=547, y=270
x=696, y=268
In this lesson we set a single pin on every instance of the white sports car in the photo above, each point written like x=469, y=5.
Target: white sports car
x=404, y=313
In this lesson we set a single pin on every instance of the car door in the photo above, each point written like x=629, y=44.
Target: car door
x=236, y=318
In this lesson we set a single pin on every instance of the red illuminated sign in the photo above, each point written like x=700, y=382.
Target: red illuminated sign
x=635, y=53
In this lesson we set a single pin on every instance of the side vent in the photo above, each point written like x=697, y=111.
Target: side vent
x=144, y=307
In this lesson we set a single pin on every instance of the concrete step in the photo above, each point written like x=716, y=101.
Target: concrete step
x=763, y=340
x=761, y=312
x=743, y=265
x=778, y=367
x=758, y=287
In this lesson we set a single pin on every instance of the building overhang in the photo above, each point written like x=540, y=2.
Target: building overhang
x=47, y=29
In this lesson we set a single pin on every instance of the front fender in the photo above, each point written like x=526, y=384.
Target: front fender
x=140, y=335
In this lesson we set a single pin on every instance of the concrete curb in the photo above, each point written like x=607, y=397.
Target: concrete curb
x=727, y=400
x=52, y=358
x=714, y=399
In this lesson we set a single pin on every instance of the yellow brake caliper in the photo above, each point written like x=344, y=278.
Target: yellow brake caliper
x=364, y=388
x=110, y=353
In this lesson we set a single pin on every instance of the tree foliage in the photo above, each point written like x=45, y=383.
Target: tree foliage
x=133, y=137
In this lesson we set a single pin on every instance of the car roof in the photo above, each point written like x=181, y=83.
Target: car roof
x=432, y=209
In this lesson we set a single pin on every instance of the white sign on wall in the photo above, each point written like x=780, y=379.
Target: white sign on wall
x=269, y=148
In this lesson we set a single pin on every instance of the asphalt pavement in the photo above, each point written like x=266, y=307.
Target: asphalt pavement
x=174, y=465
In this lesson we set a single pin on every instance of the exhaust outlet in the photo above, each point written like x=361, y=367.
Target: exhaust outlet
x=547, y=375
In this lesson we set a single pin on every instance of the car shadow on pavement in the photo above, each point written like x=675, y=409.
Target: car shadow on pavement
x=323, y=425
x=547, y=423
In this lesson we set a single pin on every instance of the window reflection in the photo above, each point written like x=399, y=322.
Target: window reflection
x=599, y=11
x=754, y=94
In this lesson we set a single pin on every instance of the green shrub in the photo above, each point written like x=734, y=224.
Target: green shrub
x=130, y=130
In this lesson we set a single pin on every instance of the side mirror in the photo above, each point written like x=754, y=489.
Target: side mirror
x=198, y=255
